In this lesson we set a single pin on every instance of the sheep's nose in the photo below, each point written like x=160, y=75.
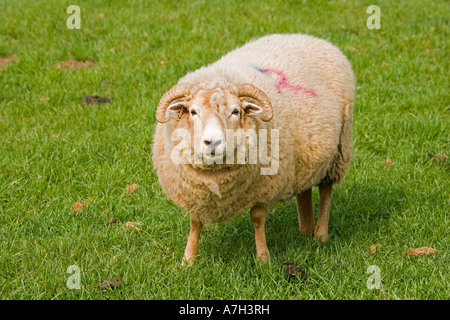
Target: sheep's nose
x=211, y=143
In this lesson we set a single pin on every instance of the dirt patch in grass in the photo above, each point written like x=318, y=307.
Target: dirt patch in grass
x=389, y=163
x=79, y=205
x=293, y=270
x=421, y=251
x=110, y=284
x=6, y=60
x=131, y=188
x=442, y=157
x=132, y=225
x=373, y=248
x=93, y=100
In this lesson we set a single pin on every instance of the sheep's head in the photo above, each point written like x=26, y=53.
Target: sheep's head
x=208, y=116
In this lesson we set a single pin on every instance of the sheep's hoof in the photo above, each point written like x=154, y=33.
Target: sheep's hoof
x=188, y=262
x=321, y=236
x=263, y=257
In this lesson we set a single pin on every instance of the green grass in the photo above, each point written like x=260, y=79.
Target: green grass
x=59, y=151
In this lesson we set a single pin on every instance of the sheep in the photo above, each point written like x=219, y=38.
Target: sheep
x=296, y=85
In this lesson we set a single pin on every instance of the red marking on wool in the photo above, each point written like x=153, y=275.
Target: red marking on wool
x=283, y=82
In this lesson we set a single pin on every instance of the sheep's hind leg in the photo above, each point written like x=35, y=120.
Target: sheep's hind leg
x=325, y=191
x=305, y=212
x=190, y=254
x=258, y=216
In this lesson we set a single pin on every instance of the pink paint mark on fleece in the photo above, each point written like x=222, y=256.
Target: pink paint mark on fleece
x=283, y=82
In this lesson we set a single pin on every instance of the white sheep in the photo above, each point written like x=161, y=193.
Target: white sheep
x=297, y=86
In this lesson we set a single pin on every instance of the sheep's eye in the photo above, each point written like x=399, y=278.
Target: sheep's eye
x=193, y=112
x=235, y=112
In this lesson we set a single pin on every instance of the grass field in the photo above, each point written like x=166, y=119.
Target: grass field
x=57, y=151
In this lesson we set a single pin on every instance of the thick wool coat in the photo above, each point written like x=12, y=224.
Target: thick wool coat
x=310, y=84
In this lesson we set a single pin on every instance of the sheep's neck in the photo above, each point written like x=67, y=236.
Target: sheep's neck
x=219, y=182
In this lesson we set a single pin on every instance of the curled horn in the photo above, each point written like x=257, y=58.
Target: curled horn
x=177, y=91
x=249, y=90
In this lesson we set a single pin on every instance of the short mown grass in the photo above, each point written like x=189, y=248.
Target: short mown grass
x=56, y=151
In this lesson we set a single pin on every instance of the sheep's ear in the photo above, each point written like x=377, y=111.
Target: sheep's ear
x=252, y=109
x=176, y=110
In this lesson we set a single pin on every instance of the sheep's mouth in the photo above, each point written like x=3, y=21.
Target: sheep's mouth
x=211, y=157
x=214, y=158
x=213, y=162
x=215, y=155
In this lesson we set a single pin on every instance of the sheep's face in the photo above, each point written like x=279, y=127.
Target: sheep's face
x=216, y=124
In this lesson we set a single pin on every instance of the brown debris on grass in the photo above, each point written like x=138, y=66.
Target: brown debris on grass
x=6, y=60
x=373, y=248
x=388, y=163
x=443, y=157
x=293, y=270
x=132, y=225
x=91, y=100
x=110, y=284
x=421, y=251
x=74, y=64
x=131, y=188
x=78, y=206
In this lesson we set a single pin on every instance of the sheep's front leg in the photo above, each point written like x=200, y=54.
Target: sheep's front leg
x=305, y=211
x=325, y=192
x=258, y=216
x=190, y=254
